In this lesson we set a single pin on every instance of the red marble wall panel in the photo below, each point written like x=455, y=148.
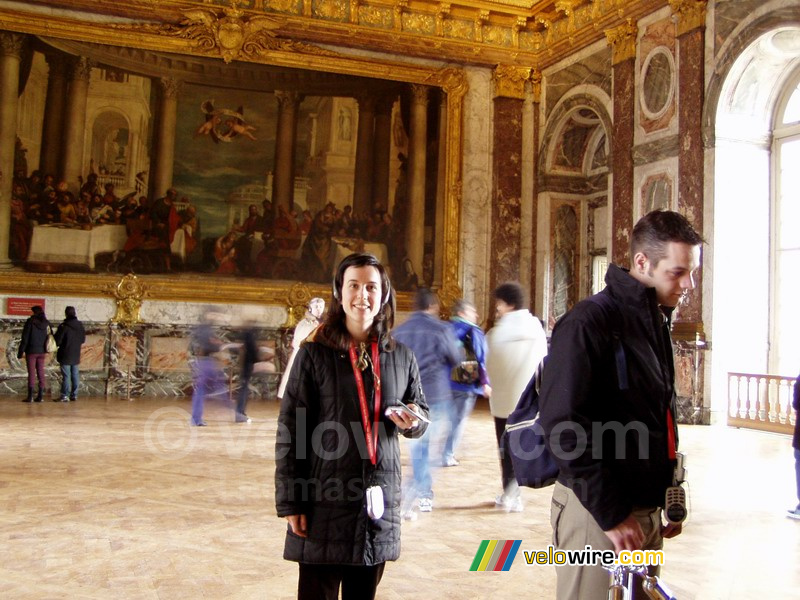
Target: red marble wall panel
x=504, y=262
x=622, y=161
x=690, y=158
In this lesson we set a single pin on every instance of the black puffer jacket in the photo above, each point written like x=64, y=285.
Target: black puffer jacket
x=34, y=336
x=70, y=336
x=580, y=392
x=323, y=467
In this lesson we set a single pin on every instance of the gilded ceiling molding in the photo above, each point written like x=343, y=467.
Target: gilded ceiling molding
x=441, y=14
x=228, y=34
x=522, y=23
x=536, y=85
x=509, y=81
x=481, y=18
x=691, y=14
x=12, y=44
x=568, y=8
x=622, y=40
x=399, y=7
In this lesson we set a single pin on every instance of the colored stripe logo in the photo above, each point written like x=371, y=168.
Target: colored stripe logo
x=495, y=555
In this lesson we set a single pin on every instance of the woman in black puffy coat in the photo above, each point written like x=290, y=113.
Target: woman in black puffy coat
x=338, y=475
x=33, y=345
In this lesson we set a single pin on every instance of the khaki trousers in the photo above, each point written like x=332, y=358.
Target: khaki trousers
x=574, y=528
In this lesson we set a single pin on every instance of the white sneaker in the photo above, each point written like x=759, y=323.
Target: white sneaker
x=794, y=514
x=425, y=504
x=509, y=504
x=410, y=515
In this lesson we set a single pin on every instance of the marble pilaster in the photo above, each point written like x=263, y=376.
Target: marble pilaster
x=690, y=109
x=55, y=105
x=415, y=230
x=285, y=141
x=365, y=159
x=623, y=43
x=11, y=47
x=536, y=96
x=75, y=122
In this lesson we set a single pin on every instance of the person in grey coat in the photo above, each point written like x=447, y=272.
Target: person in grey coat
x=70, y=336
x=33, y=346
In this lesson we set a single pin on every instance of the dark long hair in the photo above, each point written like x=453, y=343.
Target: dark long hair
x=334, y=332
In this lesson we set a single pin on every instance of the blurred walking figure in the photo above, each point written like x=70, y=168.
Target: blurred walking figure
x=468, y=380
x=34, y=339
x=208, y=376
x=435, y=347
x=517, y=344
x=248, y=358
x=316, y=306
x=70, y=336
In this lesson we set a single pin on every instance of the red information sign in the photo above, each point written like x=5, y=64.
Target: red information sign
x=21, y=307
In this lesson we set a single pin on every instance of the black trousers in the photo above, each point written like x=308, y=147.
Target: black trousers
x=506, y=466
x=321, y=582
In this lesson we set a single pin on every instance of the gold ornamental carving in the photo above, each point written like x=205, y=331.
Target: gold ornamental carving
x=129, y=293
x=453, y=82
x=536, y=85
x=230, y=34
x=296, y=303
x=691, y=14
x=622, y=40
x=509, y=81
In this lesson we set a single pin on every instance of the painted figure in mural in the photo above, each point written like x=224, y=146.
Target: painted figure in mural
x=516, y=345
x=318, y=249
x=164, y=221
x=327, y=499
x=70, y=336
x=33, y=346
x=314, y=310
x=618, y=340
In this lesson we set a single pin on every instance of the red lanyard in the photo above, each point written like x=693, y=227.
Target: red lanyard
x=372, y=438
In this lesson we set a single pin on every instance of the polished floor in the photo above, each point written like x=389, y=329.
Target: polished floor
x=116, y=499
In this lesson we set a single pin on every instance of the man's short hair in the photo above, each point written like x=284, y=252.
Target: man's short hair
x=657, y=229
x=460, y=306
x=511, y=293
x=424, y=299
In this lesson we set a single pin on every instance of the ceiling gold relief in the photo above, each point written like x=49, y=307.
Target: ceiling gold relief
x=485, y=32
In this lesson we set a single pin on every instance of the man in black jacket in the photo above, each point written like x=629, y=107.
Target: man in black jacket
x=608, y=407
x=70, y=336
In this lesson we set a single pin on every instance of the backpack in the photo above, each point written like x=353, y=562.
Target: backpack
x=467, y=372
x=524, y=436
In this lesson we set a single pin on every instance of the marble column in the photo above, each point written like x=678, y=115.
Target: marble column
x=365, y=159
x=623, y=44
x=161, y=171
x=55, y=104
x=11, y=48
x=509, y=95
x=75, y=122
x=285, y=142
x=691, y=26
x=382, y=152
x=417, y=147
x=536, y=96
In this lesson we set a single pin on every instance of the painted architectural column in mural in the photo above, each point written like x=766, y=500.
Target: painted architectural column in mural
x=536, y=94
x=161, y=176
x=382, y=151
x=418, y=142
x=362, y=182
x=75, y=122
x=441, y=187
x=55, y=103
x=11, y=47
x=691, y=26
x=623, y=44
x=285, y=142
x=509, y=95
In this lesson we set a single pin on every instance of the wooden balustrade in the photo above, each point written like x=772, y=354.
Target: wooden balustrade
x=761, y=402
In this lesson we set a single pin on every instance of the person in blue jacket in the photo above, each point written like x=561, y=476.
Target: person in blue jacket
x=470, y=336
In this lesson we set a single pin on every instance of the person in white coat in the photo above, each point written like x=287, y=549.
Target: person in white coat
x=314, y=310
x=516, y=345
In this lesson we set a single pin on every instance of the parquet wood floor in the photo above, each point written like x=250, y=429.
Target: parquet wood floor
x=113, y=499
